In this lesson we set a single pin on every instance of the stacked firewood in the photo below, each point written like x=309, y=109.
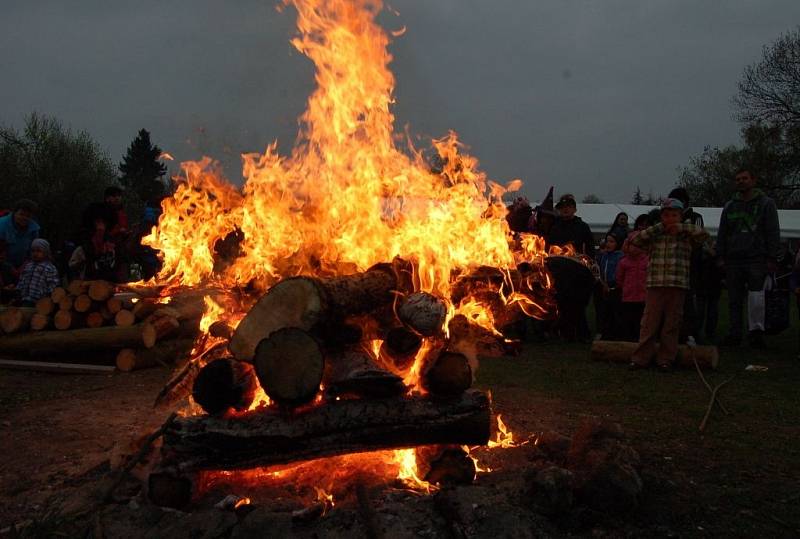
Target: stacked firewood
x=350, y=364
x=91, y=316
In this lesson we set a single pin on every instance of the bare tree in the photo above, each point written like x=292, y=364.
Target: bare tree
x=769, y=91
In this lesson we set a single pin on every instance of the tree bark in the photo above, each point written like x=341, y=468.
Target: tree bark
x=78, y=340
x=145, y=307
x=307, y=302
x=400, y=347
x=158, y=328
x=353, y=372
x=223, y=384
x=269, y=437
x=289, y=364
x=424, y=313
x=620, y=352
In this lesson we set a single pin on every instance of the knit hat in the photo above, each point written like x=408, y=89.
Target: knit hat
x=566, y=200
x=44, y=245
x=671, y=204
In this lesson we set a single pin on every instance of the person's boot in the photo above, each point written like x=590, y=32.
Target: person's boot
x=756, y=339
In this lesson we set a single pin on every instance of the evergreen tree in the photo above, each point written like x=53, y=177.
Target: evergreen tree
x=638, y=200
x=141, y=169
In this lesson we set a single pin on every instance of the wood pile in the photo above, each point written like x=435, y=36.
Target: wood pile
x=90, y=316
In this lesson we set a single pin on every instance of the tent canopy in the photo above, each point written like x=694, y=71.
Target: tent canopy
x=600, y=216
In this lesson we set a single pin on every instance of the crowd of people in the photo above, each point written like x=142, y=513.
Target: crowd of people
x=660, y=281
x=105, y=247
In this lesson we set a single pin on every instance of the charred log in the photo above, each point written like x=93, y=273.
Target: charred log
x=225, y=383
x=289, y=364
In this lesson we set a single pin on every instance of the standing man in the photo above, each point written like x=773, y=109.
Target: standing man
x=574, y=282
x=747, y=247
x=18, y=229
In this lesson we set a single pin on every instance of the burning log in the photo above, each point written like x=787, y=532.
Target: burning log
x=445, y=464
x=146, y=307
x=15, y=319
x=620, y=352
x=353, y=372
x=100, y=290
x=268, y=437
x=400, y=347
x=165, y=354
x=289, y=364
x=225, y=383
x=448, y=375
x=39, y=321
x=423, y=312
x=308, y=303
x=45, y=306
x=220, y=330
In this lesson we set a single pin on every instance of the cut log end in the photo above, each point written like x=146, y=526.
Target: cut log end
x=424, y=313
x=225, y=383
x=82, y=303
x=39, y=322
x=45, y=306
x=400, y=347
x=15, y=319
x=289, y=365
x=124, y=318
x=100, y=290
x=450, y=374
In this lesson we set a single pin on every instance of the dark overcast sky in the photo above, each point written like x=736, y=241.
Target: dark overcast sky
x=591, y=95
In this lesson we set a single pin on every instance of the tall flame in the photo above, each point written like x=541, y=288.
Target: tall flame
x=347, y=197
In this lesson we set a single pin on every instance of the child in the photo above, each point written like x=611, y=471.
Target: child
x=607, y=302
x=632, y=279
x=39, y=276
x=669, y=245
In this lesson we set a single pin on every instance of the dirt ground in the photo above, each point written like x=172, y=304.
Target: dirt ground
x=59, y=432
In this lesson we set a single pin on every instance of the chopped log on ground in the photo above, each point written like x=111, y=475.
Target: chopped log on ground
x=82, y=303
x=164, y=353
x=445, y=465
x=269, y=437
x=354, y=372
x=400, y=347
x=158, y=328
x=77, y=287
x=95, y=320
x=63, y=320
x=124, y=317
x=223, y=384
x=307, y=302
x=45, y=306
x=424, y=313
x=621, y=351
x=289, y=364
x=58, y=294
x=100, y=290
x=448, y=374
x=16, y=319
x=78, y=340
x=145, y=307
x=66, y=303
x=39, y=321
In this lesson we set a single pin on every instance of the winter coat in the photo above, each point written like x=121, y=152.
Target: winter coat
x=748, y=230
x=573, y=231
x=608, y=262
x=19, y=241
x=632, y=274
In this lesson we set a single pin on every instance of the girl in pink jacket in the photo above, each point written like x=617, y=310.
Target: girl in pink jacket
x=632, y=279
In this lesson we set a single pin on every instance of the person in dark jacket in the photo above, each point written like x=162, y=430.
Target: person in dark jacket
x=747, y=247
x=620, y=228
x=608, y=296
x=569, y=229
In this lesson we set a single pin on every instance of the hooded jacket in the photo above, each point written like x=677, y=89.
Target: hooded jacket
x=748, y=229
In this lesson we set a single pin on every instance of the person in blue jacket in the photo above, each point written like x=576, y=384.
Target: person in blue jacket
x=18, y=229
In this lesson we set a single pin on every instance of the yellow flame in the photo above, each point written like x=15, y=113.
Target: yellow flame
x=408, y=473
x=505, y=438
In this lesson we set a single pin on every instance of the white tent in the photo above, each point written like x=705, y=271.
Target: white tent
x=600, y=216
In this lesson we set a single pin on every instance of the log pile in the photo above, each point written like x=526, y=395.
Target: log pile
x=90, y=316
x=349, y=364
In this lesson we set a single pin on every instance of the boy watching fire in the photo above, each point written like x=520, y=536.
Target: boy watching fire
x=669, y=245
x=39, y=276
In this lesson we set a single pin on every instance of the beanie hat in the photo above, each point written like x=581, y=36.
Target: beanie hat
x=671, y=204
x=44, y=245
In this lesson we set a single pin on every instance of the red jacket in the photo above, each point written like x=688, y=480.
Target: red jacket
x=632, y=274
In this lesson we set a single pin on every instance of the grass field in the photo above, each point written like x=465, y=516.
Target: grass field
x=741, y=476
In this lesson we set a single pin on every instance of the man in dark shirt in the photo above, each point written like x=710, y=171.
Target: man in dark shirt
x=572, y=298
x=570, y=229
